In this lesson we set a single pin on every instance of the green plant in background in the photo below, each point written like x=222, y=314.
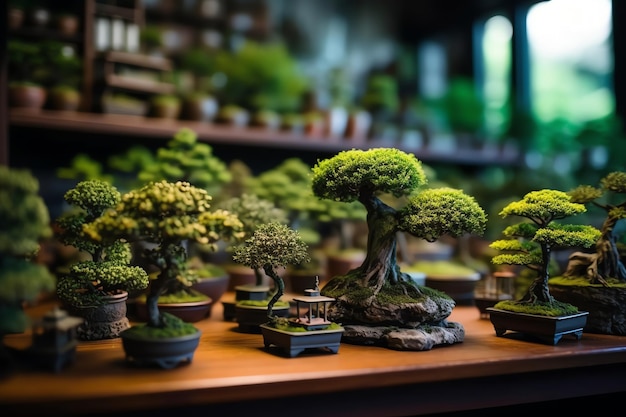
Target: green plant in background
x=186, y=159
x=261, y=76
x=271, y=246
x=531, y=243
x=26, y=64
x=165, y=215
x=83, y=167
x=357, y=175
x=24, y=223
x=151, y=38
x=605, y=263
x=463, y=107
x=253, y=212
x=108, y=270
x=201, y=63
x=288, y=186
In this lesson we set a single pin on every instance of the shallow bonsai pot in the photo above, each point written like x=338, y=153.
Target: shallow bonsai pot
x=190, y=312
x=294, y=343
x=547, y=329
x=166, y=353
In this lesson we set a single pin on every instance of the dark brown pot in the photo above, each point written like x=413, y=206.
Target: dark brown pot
x=67, y=24
x=190, y=312
x=27, y=96
x=212, y=287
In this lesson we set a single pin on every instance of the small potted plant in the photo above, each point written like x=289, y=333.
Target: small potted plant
x=252, y=211
x=273, y=245
x=377, y=303
x=596, y=281
x=531, y=243
x=96, y=288
x=24, y=223
x=199, y=104
x=26, y=87
x=166, y=215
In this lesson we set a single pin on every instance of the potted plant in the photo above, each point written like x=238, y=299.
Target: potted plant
x=377, y=303
x=530, y=244
x=164, y=214
x=65, y=74
x=252, y=211
x=596, y=280
x=273, y=245
x=199, y=104
x=26, y=80
x=24, y=223
x=165, y=106
x=96, y=288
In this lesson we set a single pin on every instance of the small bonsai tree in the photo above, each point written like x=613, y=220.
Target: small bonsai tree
x=108, y=271
x=253, y=211
x=531, y=243
x=24, y=223
x=165, y=215
x=605, y=262
x=272, y=245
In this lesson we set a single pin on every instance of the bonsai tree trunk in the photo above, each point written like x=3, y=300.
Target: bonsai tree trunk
x=538, y=291
x=280, y=288
x=380, y=263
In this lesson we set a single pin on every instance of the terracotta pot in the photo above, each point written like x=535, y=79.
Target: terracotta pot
x=67, y=24
x=27, y=96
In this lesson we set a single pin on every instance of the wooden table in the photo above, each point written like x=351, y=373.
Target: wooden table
x=233, y=373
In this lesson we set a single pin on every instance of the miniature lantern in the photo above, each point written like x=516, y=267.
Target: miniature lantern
x=55, y=339
x=314, y=306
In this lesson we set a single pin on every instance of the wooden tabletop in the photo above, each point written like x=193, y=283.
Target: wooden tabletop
x=232, y=371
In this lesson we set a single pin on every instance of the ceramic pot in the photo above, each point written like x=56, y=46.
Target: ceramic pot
x=27, y=96
x=249, y=318
x=166, y=353
x=543, y=328
x=105, y=321
x=294, y=343
x=212, y=287
x=190, y=312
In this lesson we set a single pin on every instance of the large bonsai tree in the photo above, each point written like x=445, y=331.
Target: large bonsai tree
x=606, y=261
x=363, y=176
x=531, y=243
x=24, y=223
x=108, y=271
x=271, y=246
x=165, y=215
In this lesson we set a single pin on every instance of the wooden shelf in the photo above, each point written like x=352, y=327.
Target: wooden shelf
x=233, y=373
x=120, y=127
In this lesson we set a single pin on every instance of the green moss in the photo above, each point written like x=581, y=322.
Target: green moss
x=441, y=268
x=174, y=327
x=578, y=281
x=262, y=303
x=189, y=295
x=553, y=309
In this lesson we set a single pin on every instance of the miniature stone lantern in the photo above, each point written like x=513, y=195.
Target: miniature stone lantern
x=55, y=339
x=314, y=306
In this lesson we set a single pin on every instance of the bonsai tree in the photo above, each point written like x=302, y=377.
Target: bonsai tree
x=370, y=293
x=272, y=245
x=166, y=215
x=531, y=243
x=186, y=159
x=253, y=211
x=605, y=262
x=108, y=270
x=24, y=223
